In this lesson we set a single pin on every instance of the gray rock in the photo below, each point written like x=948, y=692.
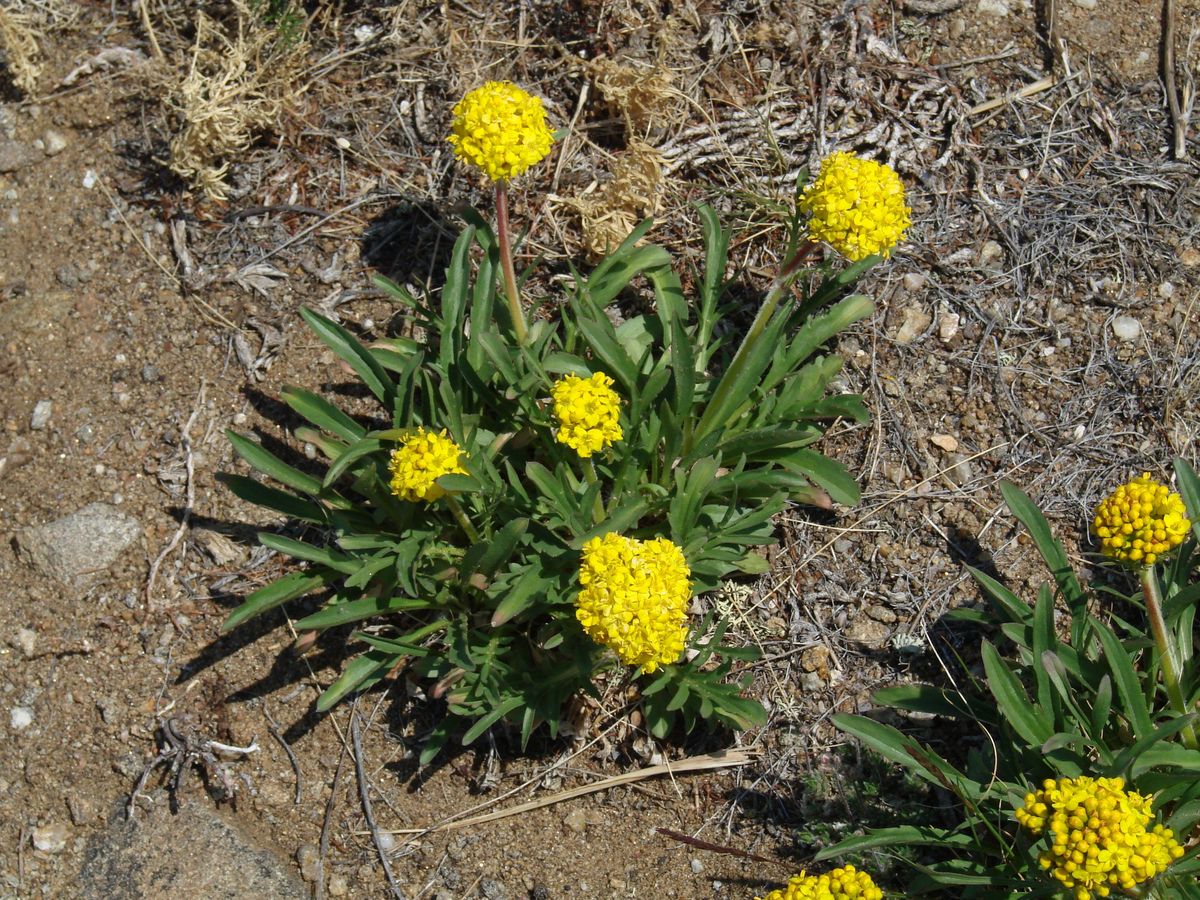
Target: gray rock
x=493, y=890
x=191, y=853
x=14, y=155
x=78, y=548
x=42, y=411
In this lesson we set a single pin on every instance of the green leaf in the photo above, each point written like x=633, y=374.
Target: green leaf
x=924, y=698
x=1012, y=700
x=619, y=268
x=1189, y=490
x=1007, y=603
x=896, y=836
x=309, y=552
x=345, y=345
x=499, y=549
x=269, y=464
x=529, y=588
x=1138, y=758
x=357, y=610
x=361, y=672
x=1129, y=688
x=322, y=413
x=899, y=748
x=1051, y=550
x=828, y=473
x=1173, y=755
x=272, y=498
x=490, y=718
x=289, y=587
x=352, y=454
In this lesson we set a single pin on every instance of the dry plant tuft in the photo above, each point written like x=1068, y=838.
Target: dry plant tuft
x=644, y=96
x=19, y=35
x=608, y=214
x=239, y=79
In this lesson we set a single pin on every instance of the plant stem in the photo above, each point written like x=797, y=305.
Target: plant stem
x=589, y=472
x=1168, y=661
x=769, y=305
x=511, y=291
x=460, y=516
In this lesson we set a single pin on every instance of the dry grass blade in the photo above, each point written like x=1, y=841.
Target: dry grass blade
x=722, y=759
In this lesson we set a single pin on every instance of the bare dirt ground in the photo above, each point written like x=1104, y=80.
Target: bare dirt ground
x=1039, y=325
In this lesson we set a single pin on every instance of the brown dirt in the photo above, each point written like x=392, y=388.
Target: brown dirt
x=992, y=356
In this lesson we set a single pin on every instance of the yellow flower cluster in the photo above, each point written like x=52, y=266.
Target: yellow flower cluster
x=587, y=410
x=840, y=884
x=1140, y=521
x=423, y=458
x=857, y=206
x=634, y=598
x=1100, y=835
x=501, y=130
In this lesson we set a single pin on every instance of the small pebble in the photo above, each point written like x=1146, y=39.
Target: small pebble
x=914, y=281
x=309, y=858
x=54, y=142
x=90, y=178
x=697, y=866
x=338, y=886
x=27, y=641
x=947, y=442
x=1166, y=290
x=1127, y=328
x=20, y=718
x=989, y=251
x=41, y=415
x=50, y=838
x=150, y=374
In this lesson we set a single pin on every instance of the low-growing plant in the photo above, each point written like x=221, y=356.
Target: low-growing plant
x=541, y=502
x=1088, y=782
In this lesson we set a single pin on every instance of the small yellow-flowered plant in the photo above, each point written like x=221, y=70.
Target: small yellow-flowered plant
x=1140, y=521
x=857, y=206
x=1100, y=835
x=634, y=598
x=840, y=884
x=501, y=130
x=422, y=458
x=588, y=411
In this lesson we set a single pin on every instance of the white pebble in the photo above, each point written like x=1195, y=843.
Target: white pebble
x=697, y=866
x=90, y=178
x=27, y=641
x=50, y=838
x=1166, y=290
x=239, y=419
x=54, y=142
x=20, y=718
x=41, y=415
x=1127, y=328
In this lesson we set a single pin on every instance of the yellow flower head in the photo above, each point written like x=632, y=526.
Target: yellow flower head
x=501, y=130
x=856, y=206
x=423, y=458
x=840, y=884
x=1100, y=835
x=587, y=410
x=634, y=598
x=1140, y=521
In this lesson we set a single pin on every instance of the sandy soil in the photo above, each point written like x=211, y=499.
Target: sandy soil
x=998, y=350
